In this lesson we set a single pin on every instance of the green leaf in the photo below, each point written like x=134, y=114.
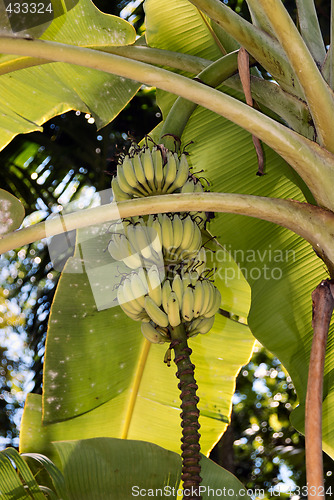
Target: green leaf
x=56, y=88
x=11, y=484
x=24, y=472
x=47, y=471
x=99, y=361
x=181, y=25
x=223, y=483
x=169, y=30
x=114, y=468
x=11, y=212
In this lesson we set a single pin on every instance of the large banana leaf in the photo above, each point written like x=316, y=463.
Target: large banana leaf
x=31, y=96
x=114, y=468
x=104, y=468
x=281, y=268
x=98, y=360
x=11, y=212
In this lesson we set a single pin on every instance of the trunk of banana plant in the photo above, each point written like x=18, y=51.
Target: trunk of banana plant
x=190, y=436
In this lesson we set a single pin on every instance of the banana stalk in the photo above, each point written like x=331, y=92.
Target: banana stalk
x=190, y=447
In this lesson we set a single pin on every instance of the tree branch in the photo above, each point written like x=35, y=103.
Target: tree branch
x=312, y=223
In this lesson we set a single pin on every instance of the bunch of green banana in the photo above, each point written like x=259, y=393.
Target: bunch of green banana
x=156, y=242
x=180, y=236
x=149, y=173
x=169, y=237
x=187, y=299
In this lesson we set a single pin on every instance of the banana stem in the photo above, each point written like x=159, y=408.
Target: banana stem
x=182, y=109
x=321, y=103
x=190, y=447
x=262, y=46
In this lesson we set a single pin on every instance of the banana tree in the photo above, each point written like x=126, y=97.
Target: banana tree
x=92, y=62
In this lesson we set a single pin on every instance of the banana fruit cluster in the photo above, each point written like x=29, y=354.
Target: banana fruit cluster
x=155, y=244
x=147, y=242
x=149, y=173
x=187, y=298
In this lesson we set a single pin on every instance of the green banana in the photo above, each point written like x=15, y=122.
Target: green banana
x=196, y=241
x=178, y=288
x=129, y=296
x=143, y=244
x=132, y=258
x=147, y=162
x=154, y=285
x=188, y=305
x=170, y=170
x=211, y=301
x=177, y=232
x=181, y=175
x=206, y=325
x=167, y=234
x=131, y=237
x=201, y=326
x=138, y=289
x=156, y=226
x=207, y=295
x=118, y=193
x=128, y=306
x=213, y=308
x=198, y=298
x=155, y=313
x=158, y=168
x=131, y=314
x=121, y=249
x=173, y=308
x=193, y=278
x=166, y=291
x=143, y=277
x=123, y=183
x=155, y=239
x=188, y=232
x=140, y=174
x=198, y=188
x=153, y=335
x=188, y=187
x=130, y=176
